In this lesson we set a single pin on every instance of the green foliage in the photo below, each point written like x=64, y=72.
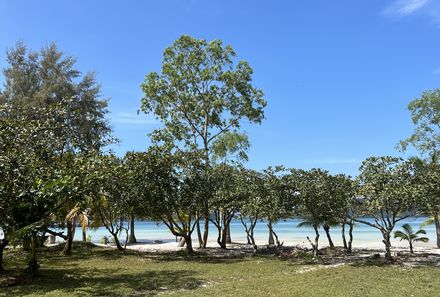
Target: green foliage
x=46, y=80
x=387, y=190
x=201, y=94
x=425, y=114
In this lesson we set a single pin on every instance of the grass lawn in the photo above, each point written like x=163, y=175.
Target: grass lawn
x=95, y=271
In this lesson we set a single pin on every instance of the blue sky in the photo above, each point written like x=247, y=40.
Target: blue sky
x=337, y=75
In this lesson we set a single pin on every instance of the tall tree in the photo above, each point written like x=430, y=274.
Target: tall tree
x=201, y=94
x=48, y=78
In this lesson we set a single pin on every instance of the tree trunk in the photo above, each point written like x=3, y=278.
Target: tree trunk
x=437, y=229
x=344, y=241
x=387, y=243
x=329, y=238
x=276, y=238
x=271, y=239
x=411, y=250
x=350, y=236
x=219, y=235
x=206, y=228
x=315, y=247
x=228, y=234
x=69, y=241
x=132, y=237
x=181, y=242
x=32, y=263
x=3, y=244
x=84, y=234
x=117, y=242
x=188, y=242
x=251, y=233
x=199, y=233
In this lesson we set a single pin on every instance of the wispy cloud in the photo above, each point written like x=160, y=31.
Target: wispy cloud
x=331, y=161
x=134, y=119
x=403, y=8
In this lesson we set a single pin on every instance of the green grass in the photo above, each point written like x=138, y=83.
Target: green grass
x=94, y=271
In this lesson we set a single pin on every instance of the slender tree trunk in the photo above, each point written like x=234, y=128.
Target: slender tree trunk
x=69, y=241
x=188, y=241
x=350, y=236
x=344, y=241
x=223, y=238
x=4, y=242
x=276, y=238
x=387, y=242
x=246, y=229
x=271, y=239
x=117, y=242
x=315, y=247
x=206, y=227
x=132, y=237
x=437, y=229
x=199, y=233
x=219, y=234
x=206, y=200
x=329, y=238
x=32, y=263
x=228, y=233
x=411, y=250
x=181, y=242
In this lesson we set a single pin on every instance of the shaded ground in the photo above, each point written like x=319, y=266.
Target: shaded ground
x=289, y=271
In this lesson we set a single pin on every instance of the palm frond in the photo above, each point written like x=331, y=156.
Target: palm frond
x=421, y=231
x=401, y=235
x=429, y=221
x=409, y=230
x=422, y=239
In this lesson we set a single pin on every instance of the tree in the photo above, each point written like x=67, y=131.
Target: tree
x=425, y=115
x=177, y=185
x=317, y=194
x=427, y=174
x=32, y=186
x=49, y=112
x=275, y=203
x=201, y=94
x=107, y=185
x=252, y=207
x=387, y=194
x=342, y=206
x=137, y=196
x=47, y=78
x=409, y=235
x=226, y=199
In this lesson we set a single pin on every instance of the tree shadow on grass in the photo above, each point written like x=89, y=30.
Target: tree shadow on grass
x=197, y=257
x=106, y=282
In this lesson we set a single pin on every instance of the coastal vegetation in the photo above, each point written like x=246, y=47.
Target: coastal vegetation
x=56, y=171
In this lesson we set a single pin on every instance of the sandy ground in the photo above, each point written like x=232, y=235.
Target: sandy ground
x=150, y=246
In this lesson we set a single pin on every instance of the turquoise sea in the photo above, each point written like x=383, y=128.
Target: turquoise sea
x=287, y=230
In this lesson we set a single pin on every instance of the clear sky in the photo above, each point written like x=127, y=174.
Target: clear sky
x=337, y=75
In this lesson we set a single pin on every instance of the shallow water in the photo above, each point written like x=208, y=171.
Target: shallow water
x=286, y=230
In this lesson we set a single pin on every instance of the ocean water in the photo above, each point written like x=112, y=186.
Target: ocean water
x=287, y=231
